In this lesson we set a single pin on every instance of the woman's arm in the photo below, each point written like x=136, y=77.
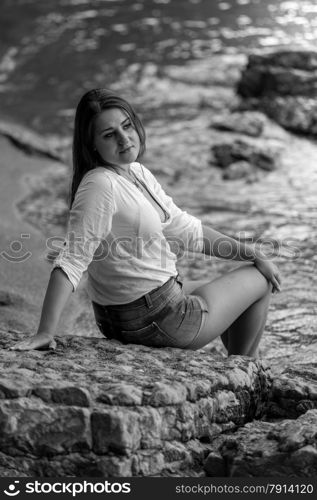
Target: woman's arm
x=57, y=294
x=90, y=220
x=219, y=245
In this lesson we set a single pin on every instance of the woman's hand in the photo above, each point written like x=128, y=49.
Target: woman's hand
x=270, y=272
x=58, y=291
x=38, y=341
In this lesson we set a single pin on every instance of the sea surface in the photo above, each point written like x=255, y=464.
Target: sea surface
x=51, y=51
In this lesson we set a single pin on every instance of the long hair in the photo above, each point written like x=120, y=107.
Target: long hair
x=85, y=157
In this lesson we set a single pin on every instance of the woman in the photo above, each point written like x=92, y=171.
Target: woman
x=120, y=228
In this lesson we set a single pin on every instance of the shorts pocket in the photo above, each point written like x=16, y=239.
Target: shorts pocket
x=150, y=335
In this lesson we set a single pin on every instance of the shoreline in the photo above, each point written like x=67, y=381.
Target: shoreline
x=24, y=270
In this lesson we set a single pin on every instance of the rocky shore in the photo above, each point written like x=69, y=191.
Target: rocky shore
x=152, y=412
x=156, y=412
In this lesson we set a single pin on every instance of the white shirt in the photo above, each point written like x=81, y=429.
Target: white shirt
x=116, y=234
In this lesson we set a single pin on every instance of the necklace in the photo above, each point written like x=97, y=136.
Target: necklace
x=135, y=182
x=132, y=178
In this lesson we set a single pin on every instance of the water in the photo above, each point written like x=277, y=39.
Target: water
x=53, y=50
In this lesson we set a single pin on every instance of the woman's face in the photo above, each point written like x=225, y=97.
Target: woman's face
x=115, y=137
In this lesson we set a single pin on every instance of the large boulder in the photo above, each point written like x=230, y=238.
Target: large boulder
x=95, y=407
x=32, y=143
x=268, y=449
x=280, y=73
x=250, y=123
x=266, y=158
x=294, y=392
x=283, y=84
x=284, y=443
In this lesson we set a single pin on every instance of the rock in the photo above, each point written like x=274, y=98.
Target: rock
x=79, y=414
x=127, y=394
x=238, y=170
x=115, y=431
x=32, y=428
x=30, y=142
x=283, y=85
x=215, y=465
x=63, y=393
x=9, y=298
x=299, y=59
x=293, y=392
x=165, y=394
x=295, y=113
x=282, y=73
x=274, y=447
x=270, y=80
x=14, y=388
x=227, y=153
x=268, y=449
x=250, y=123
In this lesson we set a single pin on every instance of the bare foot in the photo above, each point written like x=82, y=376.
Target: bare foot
x=40, y=341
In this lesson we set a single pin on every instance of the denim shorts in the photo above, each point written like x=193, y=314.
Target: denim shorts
x=164, y=317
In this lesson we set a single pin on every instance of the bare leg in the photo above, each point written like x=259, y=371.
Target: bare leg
x=225, y=338
x=253, y=319
x=231, y=333
x=237, y=304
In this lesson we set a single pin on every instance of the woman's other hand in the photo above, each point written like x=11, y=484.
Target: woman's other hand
x=270, y=271
x=38, y=341
x=58, y=291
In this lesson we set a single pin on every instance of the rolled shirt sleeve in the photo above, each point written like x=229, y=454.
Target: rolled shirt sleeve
x=182, y=229
x=90, y=220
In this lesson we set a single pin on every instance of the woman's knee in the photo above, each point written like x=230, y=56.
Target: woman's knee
x=251, y=275
x=265, y=283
